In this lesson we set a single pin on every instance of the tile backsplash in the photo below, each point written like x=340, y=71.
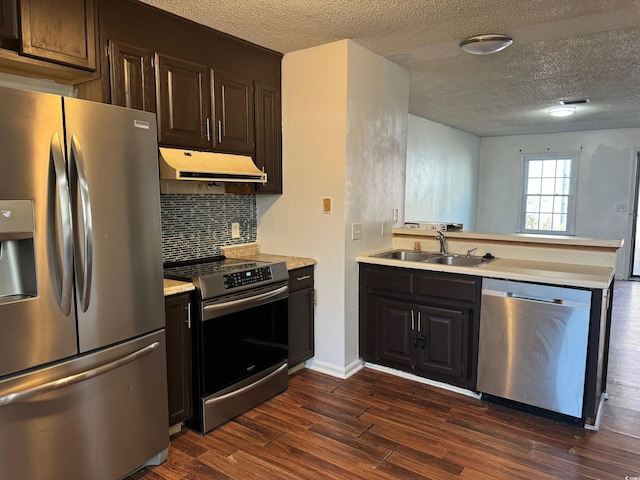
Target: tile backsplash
x=197, y=225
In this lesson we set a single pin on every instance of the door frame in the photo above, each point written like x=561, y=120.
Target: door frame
x=635, y=228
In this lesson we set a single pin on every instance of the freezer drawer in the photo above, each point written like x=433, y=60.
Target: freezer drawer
x=102, y=427
x=533, y=344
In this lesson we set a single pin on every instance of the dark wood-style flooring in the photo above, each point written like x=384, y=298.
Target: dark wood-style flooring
x=378, y=426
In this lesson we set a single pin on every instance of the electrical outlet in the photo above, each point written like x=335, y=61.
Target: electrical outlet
x=356, y=231
x=235, y=230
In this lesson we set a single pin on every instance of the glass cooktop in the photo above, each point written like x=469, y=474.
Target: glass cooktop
x=199, y=268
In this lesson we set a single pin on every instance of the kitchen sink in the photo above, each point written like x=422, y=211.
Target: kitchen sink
x=407, y=255
x=459, y=260
x=435, y=257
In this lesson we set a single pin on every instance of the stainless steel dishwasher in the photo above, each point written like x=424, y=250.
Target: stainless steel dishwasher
x=533, y=344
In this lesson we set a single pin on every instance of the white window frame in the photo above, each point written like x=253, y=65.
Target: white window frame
x=571, y=197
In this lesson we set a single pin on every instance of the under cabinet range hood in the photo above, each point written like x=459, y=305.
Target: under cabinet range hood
x=177, y=164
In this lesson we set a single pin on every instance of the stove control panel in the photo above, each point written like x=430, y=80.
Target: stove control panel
x=247, y=277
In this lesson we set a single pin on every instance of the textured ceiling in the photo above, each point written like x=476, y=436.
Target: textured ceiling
x=563, y=50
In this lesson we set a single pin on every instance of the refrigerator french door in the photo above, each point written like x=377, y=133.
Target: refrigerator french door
x=82, y=353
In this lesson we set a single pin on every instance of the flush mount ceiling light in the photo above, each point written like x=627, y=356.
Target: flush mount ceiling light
x=562, y=110
x=485, y=44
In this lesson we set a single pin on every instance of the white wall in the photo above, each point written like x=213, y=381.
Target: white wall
x=442, y=173
x=606, y=173
x=314, y=115
x=344, y=125
x=377, y=108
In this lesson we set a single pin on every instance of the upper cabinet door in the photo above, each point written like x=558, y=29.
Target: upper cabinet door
x=234, y=111
x=131, y=77
x=268, y=155
x=59, y=31
x=183, y=103
x=8, y=19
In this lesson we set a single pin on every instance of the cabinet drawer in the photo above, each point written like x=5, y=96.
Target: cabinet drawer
x=396, y=280
x=449, y=287
x=301, y=278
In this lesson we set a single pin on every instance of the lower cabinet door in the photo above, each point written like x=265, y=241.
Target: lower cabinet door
x=301, y=342
x=440, y=344
x=397, y=324
x=179, y=381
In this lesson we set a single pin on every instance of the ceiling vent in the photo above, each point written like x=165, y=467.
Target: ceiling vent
x=574, y=102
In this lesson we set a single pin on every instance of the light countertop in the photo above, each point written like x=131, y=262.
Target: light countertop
x=251, y=251
x=554, y=273
x=173, y=287
x=291, y=261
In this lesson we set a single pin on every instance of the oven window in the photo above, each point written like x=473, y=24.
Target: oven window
x=241, y=344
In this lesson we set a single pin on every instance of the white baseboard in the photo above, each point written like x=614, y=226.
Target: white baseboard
x=335, y=370
x=426, y=381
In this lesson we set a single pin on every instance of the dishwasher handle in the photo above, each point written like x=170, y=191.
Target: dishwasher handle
x=556, y=301
x=532, y=298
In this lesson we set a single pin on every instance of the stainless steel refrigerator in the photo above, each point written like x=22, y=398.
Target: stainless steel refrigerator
x=83, y=390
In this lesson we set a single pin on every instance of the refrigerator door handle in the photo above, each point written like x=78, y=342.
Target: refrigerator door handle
x=61, y=191
x=22, y=395
x=77, y=162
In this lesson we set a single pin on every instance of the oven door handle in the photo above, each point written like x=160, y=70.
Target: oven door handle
x=246, y=301
x=246, y=388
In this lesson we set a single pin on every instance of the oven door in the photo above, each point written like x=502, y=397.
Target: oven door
x=242, y=335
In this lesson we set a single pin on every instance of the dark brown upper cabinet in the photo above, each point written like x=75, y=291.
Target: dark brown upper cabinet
x=183, y=103
x=268, y=150
x=8, y=20
x=234, y=112
x=131, y=77
x=59, y=31
x=213, y=92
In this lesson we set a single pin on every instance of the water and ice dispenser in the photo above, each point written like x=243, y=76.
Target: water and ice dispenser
x=17, y=251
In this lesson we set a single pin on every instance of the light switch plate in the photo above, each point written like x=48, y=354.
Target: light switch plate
x=356, y=231
x=235, y=230
x=326, y=205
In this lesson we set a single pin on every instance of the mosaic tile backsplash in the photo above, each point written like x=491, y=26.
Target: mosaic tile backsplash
x=197, y=225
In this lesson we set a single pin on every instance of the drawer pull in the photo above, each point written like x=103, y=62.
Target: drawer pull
x=304, y=277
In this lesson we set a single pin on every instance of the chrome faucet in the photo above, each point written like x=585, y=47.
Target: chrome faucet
x=441, y=238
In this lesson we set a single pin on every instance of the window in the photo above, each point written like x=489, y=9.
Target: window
x=549, y=191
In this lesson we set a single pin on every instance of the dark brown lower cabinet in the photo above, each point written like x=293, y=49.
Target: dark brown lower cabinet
x=426, y=339
x=301, y=318
x=421, y=322
x=179, y=380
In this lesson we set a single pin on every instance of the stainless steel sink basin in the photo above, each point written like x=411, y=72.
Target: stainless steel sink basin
x=459, y=260
x=435, y=257
x=407, y=255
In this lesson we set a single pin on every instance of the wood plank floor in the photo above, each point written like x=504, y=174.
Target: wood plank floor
x=378, y=426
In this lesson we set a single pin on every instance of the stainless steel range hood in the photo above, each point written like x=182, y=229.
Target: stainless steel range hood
x=177, y=164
